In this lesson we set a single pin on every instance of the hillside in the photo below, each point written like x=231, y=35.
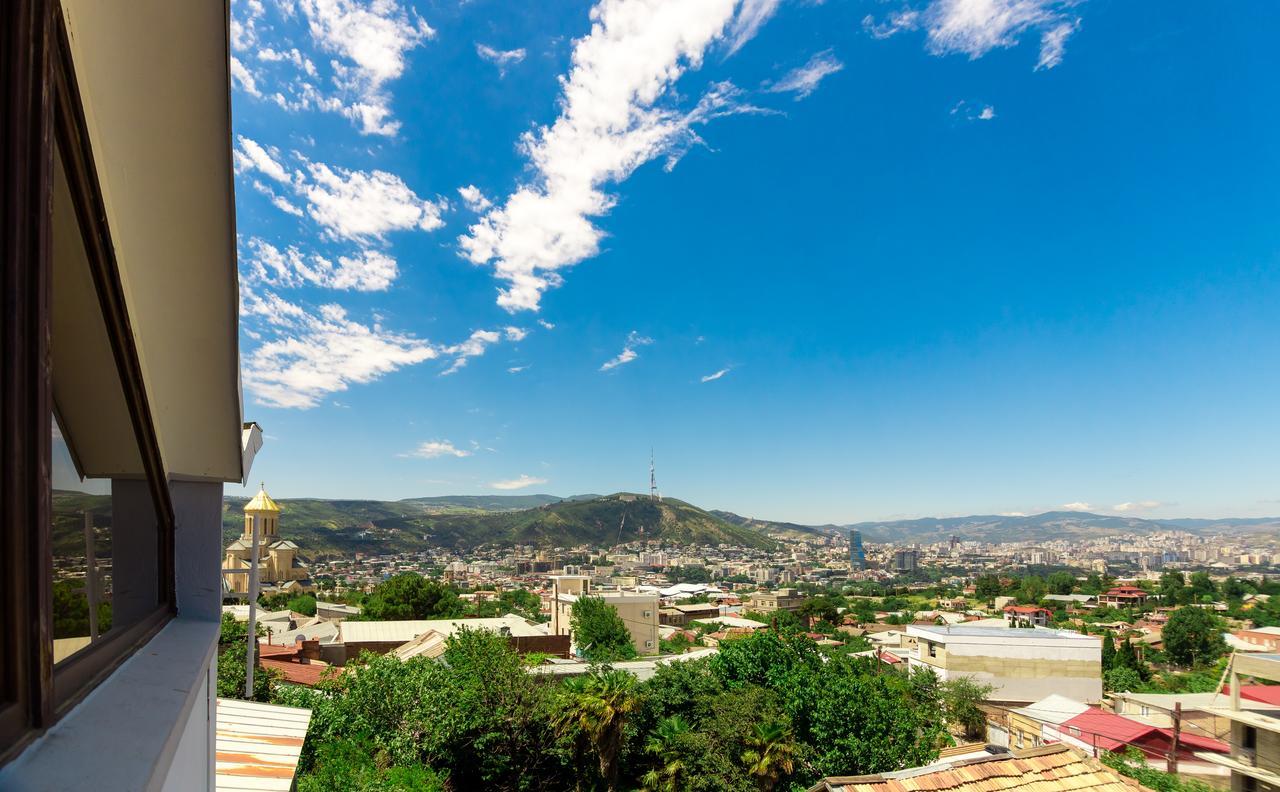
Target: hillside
x=1042, y=527
x=341, y=527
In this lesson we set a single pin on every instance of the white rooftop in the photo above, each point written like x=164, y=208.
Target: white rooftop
x=405, y=631
x=1053, y=709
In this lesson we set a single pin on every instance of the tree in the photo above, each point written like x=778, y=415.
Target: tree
x=411, y=596
x=662, y=744
x=1108, y=651
x=304, y=604
x=231, y=676
x=770, y=756
x=1122, y=679
x=595, y=707
x=1061, y=582
x=1202, y=586
x=1031, y=590
x=1193, y=637
x=599, y=632
x=1171, y=582
x=987, y=587
x=960, y=699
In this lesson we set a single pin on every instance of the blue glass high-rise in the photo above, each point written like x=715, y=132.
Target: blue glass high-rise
x=857, y=556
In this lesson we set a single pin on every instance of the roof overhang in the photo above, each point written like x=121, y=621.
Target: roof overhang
x=154, y=85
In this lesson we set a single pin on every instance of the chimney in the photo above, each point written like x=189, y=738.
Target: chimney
x=310, y=650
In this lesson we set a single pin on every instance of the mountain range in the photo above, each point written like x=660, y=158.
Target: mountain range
x=340, y=527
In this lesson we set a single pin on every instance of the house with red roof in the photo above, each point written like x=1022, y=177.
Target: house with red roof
x=1123, y=597
x=1096, y=730
x=1022, y=615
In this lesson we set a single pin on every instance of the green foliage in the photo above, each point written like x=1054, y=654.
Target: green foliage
x=358, y=765
x=770, y=754
x=1108, y=651
x=1061, y=582
x=1031, y=590
x=1193, y=636
x=231, y=674
x=411, y=596
x=960, y=699
x=593, y=712
x=1122, y=678
x=988, y=587
x=688, y=574
x=1133, y=764
x=664, y=745
x=71, y=610
x=599, y=632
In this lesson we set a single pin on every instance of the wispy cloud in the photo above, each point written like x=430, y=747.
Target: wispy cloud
x=803, y=80
x=617, y=113
x=367, y=270
x=434, y=449
x=374, y=38
x=241, y=76
x=975, y=27
x=628, y=352
x=500, y=58
x=474, y=346
x=717, y=375
x=973, y=112
x=524, y=480
x=1137, y=506
x=517, y=369
x=1076, y=506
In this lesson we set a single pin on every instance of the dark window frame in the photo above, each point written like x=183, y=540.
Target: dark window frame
x=42, y=105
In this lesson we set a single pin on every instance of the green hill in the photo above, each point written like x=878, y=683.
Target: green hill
x=342, y=527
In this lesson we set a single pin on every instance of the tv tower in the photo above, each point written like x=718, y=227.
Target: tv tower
x=653, y=479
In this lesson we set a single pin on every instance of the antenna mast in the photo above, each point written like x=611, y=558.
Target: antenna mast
x=653, y=479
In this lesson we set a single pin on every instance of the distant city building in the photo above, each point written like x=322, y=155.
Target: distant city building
x=906, y=560
x=857, y=555
x=787, y=599
x=278, y=564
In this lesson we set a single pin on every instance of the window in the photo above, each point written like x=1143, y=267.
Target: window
x=1249, y=740
x=1145, y=710
x=86, y=561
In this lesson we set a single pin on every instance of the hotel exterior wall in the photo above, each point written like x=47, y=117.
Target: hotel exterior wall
x=1023, y=667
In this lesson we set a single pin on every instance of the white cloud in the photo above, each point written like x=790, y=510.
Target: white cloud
x=367, y=270
x=433, y=449
x=1076, y=506
x=374, y=37
x=628, y=352
x=615, y=116
x=517, y=369
x=546, y=325
x=285, y=205
x=515, y=333
x=715, y=376
x=987, y=113
x=751, y=17
x=312, y=356
x=474, y=346
x=1013, y=514
x=971, y=112
x=523, y=481
x=500, y=58
x=473, y=199
x=360, y=205
x=300, y=61
x=803, y=80
x=975, y=27
x=1138, y=506
x=243, y=77
x=251, y=154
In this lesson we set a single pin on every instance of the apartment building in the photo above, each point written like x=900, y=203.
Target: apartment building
x=1254, y=761
x=121, y=394
x=1024, y=665
x=785, y=599
x=639, y=611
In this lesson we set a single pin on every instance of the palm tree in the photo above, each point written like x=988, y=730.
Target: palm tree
x=596, y=706
x=662, y=744
x=770, y=754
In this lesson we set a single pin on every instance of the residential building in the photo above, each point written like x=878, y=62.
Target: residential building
x=1266, y=637
x=279, y=567
x=1027, y=616
x=1096, y=730
x=1254, y=761
x=1051, y=768
x=639, y=611
x=1026, y=724
x=1197, y=716
x=1123, y=597
x=906, y=560
x=680, y=615
x=784, y=599
x=122, y=407
x=381, y=637
x=1024, y=665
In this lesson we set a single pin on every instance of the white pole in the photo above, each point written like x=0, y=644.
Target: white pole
x=253, y=608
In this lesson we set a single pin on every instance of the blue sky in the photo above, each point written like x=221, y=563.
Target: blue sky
x=831, y=261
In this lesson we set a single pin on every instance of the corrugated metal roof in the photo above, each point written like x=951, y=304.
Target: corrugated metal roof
x=405, y=631
x=258, y=745
x=1054, y=768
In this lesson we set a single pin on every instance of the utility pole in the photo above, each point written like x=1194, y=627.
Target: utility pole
x=253, y=609
x=1172, y=764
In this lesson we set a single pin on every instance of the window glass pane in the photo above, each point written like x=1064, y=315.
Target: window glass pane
x=81, y=544
x=105, y=536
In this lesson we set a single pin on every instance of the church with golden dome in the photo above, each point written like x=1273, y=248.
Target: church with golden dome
x=279, y=568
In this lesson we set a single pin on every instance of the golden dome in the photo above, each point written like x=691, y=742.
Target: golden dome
x=262, y=503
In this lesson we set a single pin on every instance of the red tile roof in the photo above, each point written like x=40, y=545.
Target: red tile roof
x=1111, y=731
x=1267, y=694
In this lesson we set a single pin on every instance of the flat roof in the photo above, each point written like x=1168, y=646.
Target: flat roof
x=407, y=630
x=1014, y=633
